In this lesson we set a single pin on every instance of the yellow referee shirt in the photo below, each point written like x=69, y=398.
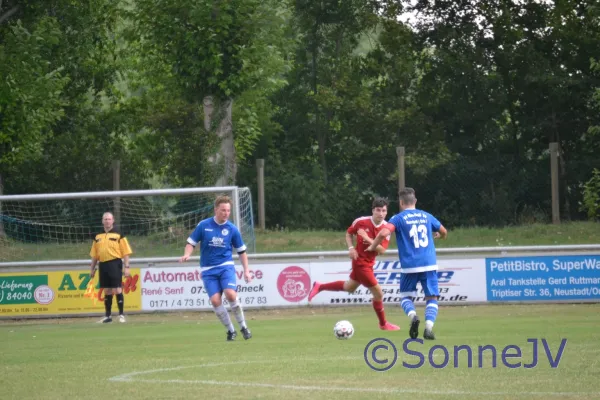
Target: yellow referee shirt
x=109, y=246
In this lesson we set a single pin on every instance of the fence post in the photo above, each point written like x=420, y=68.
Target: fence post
x=401, y=174
x=555, y=183
x=2, y=233
x=260, y=166
x=116, y=167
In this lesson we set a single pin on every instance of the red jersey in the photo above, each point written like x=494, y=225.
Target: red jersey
x=366, y=258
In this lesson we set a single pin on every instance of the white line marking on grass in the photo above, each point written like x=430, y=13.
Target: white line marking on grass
x=128, y=377
x=132, y=377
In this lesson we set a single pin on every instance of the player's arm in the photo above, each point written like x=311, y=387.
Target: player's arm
x=126, y=263
x=244, y=260
x=240, y=247
x=381, y=236
x=192, y=241
x=442, y=233
x=438, y=228
x=380, y=249
x=94, y=256
x=93, y=267
x=350, y=243
x=126, y=251
x=187, y=252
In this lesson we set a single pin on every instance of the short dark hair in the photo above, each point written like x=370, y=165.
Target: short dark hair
x=379, y=202
x=407, y=196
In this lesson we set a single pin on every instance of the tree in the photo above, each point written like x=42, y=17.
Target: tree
x=31, y=91
x=503, y=79
x=216, y=51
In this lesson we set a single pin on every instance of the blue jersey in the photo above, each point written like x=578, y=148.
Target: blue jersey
x=216, y=243
x=414, y=236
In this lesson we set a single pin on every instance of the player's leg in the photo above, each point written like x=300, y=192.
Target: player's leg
x=120, y=303
x=351, y=284
x=119, y=290
x=228, y=281
x=429, y=282
x=337, y=286
x=106, y=286
x=408, y=291
x=367, y=278
x=212, y=284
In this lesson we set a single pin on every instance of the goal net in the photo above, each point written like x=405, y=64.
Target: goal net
x=157, y=223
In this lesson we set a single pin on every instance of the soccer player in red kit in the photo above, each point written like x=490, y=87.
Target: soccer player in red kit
x=366, y=229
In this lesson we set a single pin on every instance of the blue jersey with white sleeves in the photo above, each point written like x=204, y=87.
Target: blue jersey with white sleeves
x=216, y=243
x=414, y=236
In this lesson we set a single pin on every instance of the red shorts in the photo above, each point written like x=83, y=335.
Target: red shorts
x=364, y=276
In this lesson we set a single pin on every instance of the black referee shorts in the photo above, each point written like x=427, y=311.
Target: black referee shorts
x=111, y=274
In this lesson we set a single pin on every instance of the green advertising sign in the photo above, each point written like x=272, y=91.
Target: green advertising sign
x=20, y=289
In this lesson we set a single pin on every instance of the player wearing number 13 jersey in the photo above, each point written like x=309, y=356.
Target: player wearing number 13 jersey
x=415, y=231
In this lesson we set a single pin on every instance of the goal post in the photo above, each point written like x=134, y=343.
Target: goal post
x=157, y=222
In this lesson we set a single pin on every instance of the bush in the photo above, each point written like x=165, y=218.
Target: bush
x=591, y=196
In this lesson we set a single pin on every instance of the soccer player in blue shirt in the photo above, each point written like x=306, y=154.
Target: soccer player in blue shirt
x=217, y=237
x=415, y=231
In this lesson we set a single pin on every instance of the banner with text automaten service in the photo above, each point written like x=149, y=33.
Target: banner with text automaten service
x=181, y=287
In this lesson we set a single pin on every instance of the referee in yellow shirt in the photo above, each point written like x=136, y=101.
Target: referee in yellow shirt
x=110, y=248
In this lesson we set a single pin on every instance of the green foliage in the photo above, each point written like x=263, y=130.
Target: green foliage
x=591, y=196
x=214, y=48
x=65, y=57
x=31, y=91
x=295, y=194
x=247, y=132
x=175, y=145
x=323, y=91
x=237, y=50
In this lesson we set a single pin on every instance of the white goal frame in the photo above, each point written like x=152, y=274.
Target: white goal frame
x=234, y=190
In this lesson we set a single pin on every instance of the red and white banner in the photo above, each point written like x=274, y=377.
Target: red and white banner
x=181, y=287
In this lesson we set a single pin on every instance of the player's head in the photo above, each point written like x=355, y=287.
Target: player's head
x=407, y=198
x=108, y=221
x=379, y=209
x=222, y=209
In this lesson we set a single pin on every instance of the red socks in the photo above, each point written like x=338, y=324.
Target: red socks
x=337, y=286
x=378, y=307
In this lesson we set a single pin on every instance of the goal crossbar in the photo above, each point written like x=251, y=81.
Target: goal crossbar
x=43, y=226
x=129, y=193
x=114, y=193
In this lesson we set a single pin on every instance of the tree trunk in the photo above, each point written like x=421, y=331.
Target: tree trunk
x=320, y=133
x=565, y=211
x=9, y=13
x=564, y=184
x=218, y=117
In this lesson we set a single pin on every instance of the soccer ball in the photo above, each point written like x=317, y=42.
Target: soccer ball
x=343, y=330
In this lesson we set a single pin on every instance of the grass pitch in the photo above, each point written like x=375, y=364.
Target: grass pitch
x=294, y=355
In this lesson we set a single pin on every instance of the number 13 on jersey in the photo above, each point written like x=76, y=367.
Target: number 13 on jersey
x=418, y=233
